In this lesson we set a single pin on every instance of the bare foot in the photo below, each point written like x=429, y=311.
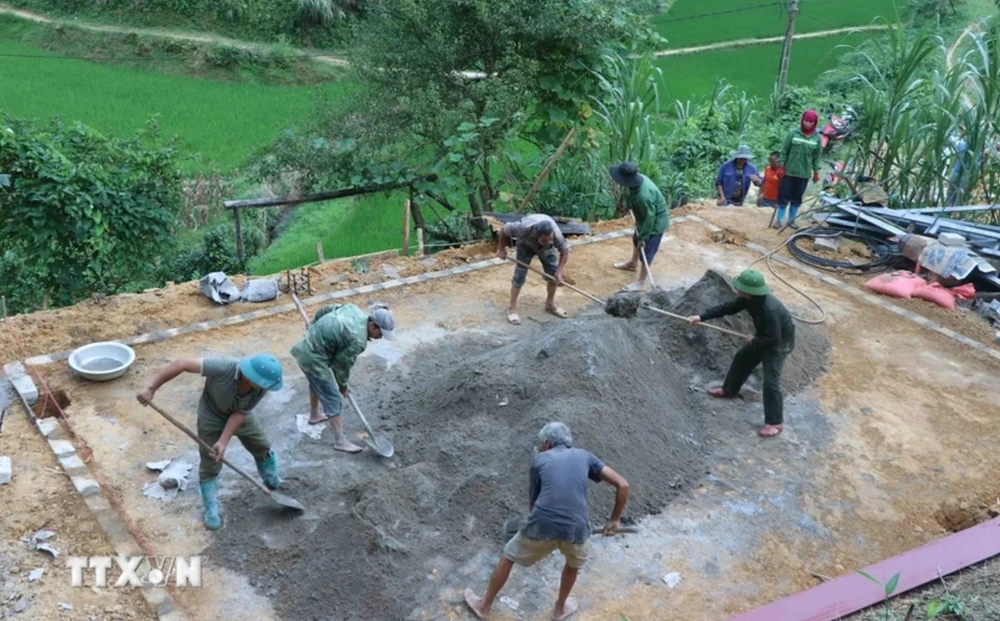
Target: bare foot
x=475, y=604
x=719, y=393
x=347, y=446
x=568, y=609
x=769, y=431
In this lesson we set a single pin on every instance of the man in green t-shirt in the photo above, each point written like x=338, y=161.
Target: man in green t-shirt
x=232, y=389
x=337, y=336
x=652, y=219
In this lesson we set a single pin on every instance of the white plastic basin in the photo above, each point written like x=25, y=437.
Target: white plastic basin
x=100, y=362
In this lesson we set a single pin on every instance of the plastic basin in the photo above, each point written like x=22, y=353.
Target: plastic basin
x=100, y=362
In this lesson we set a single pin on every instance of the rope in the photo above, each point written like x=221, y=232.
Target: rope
x=112, y=493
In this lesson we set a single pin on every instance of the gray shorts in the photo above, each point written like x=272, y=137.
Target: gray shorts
x=328, y=393
x=526, y=552
x=549, y=259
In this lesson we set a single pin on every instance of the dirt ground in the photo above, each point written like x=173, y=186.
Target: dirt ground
x=879, y=454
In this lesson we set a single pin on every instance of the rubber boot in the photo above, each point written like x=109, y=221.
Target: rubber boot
x=268, y=470
x=209, y=489
x=778, y=217
x=793, y=212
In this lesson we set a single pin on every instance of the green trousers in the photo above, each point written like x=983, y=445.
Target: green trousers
x=250, y=434
x=745, y=361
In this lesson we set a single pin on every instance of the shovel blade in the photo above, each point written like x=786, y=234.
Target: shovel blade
x=381, y=446
x=287, y=501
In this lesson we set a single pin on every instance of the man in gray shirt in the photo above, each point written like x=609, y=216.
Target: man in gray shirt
x=559, y=519
x=537, y=235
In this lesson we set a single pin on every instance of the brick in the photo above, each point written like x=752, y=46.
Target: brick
x=62, y=447
x=14, y=369
x=6, y=470
x=826, y=243
x=26, y=388
x=951, y=239
x=86, y=486
x=47, y=426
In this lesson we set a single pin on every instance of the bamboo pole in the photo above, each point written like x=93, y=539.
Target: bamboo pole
x=405, y=251
x=548, y=167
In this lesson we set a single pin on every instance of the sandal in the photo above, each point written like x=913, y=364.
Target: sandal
x=558, y=312
x=514, y=319
x=320, y=422
x=633, y=288
x=625, y=267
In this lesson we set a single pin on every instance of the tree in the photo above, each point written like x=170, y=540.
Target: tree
x=84, y=213
x=449, y=84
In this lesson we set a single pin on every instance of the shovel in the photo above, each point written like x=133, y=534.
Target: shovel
x=380, y=445
x=281, y=499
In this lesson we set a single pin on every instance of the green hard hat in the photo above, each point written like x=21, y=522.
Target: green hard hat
x=263, y=370
x=751, y=282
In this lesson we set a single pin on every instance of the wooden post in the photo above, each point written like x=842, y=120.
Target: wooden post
x=3, y=303
x=239, y=234
x=319, y=251
x=405, y=251
x=786, y=50
x=468, y=226
x=420, y=242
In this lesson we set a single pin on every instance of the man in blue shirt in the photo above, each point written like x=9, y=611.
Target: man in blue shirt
x=735, y=176
x=559, y=519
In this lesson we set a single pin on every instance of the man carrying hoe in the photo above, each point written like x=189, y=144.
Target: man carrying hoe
x=775, y=339
x=652, y=219
x=559, y=519
x=331, y=346
x=537, y=235
x=232, y=389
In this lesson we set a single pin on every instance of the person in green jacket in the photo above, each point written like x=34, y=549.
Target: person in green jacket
x=232, y=389
x=800, y=159
x=773, y=342
x=652, y=219
x=331, y=346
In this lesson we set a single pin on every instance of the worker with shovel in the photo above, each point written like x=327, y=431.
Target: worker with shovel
x=774, y=341
x=652, y=219
x=232, y=389
x=338, y=335
x=559, y=519
x=537, y=235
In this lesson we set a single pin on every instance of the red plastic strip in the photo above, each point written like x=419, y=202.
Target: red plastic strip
x=852, y=592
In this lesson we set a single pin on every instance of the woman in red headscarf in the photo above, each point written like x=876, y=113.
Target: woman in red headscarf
x=799, y=157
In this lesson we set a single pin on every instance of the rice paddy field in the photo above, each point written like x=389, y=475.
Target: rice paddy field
x=689, y=23
x=221, y=122
x=752, y=68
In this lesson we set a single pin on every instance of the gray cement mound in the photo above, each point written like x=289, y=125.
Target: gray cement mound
x=464, y=414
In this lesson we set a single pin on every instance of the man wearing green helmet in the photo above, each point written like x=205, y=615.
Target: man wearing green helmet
x=232, y=389
x=774, y=340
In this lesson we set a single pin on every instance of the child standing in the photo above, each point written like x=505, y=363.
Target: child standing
x=772, y=179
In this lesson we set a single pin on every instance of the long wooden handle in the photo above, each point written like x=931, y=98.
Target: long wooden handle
x=364, y=421
x=647, y=306
x=302, y=310
x=645, y=263
x=204, y=445
x=565, y=284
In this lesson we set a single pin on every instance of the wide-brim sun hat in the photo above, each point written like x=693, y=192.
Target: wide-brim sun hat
x=751, y=282
x=626, y=174
x=264, y=370
x=743, y=152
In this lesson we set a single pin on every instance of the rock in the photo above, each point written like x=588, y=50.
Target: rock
x=20, y=606
x=951, y=239
x=826, y=243
x=35, y=574
x=6, y=470
x=65, y=606
x=390, y=271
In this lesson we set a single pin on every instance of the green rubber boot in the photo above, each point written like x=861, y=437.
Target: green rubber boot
x=209, y=489
x=268, y=470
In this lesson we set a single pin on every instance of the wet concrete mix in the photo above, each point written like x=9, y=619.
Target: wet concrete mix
x=464, y=414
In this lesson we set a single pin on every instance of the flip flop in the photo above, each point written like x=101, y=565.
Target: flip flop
x=469, y=596
x=320, y=422
x=570, y=608
x=336, y=448
x=633, y=288
x=514, y=319
x=625, y=267
x=558, y=312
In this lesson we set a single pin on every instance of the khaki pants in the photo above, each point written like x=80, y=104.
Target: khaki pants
x=251, y=435
x=526, y=552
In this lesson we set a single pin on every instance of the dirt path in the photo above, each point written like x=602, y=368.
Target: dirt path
x=748, y=42
x=6, y=9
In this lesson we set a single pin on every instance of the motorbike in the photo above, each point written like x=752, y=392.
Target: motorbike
x=836, y=131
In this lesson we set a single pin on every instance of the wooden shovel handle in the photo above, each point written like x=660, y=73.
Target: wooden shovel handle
x=204, y=445
x=565, y=284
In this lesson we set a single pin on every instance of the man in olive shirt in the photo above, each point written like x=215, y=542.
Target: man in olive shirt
x=232, y=389
x=652, y=219
x=774, y=340
x=331, y=346
x=559, y=519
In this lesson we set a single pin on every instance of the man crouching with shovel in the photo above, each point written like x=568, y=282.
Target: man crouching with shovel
x=232, y=389
x=559, y=519
x=338, y=335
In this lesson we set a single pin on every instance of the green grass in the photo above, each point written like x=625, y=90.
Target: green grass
x=347, y=227
x=224, y=122
x=767, y=21
x=753, y=69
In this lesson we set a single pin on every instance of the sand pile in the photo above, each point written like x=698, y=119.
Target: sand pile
x=464, y=414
